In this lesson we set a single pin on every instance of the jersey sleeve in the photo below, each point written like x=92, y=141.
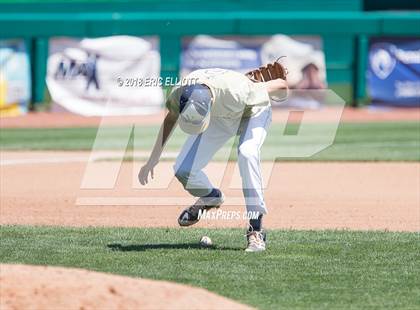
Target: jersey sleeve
x=258, y=95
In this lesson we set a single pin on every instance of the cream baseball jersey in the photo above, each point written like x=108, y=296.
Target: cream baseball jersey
x=234, y=95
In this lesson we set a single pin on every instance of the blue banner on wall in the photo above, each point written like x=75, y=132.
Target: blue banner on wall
x=394, y=71
x=208, y=52
x=15, y=77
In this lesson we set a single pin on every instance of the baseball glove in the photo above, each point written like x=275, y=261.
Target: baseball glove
x=268, y=72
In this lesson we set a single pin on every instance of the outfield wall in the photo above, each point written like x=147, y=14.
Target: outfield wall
x=344, y=27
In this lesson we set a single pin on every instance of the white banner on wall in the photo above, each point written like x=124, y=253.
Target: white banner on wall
x=86, y=76
x=303, y=57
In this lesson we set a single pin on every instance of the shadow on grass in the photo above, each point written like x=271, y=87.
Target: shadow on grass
x=170, y=246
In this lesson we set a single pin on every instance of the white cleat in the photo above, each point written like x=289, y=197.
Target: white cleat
x=256, y=241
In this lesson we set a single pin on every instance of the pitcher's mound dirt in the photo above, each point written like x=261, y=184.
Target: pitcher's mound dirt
x=41, y=287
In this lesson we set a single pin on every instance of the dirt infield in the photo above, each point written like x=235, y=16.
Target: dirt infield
x=43, y=188
x=360, y=196
x=42, y=287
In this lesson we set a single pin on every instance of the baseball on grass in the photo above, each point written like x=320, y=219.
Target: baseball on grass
x=205, y=241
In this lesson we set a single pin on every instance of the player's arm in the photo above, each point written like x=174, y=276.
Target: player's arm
x=261, y=92
x=164, y=134
x=277, y=89
x=276, y=85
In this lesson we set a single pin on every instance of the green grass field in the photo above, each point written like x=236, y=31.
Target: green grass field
x=300, y=269
x=353, y=142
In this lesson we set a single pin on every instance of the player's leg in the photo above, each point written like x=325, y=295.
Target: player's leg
x=252, y=135
x=194, y=156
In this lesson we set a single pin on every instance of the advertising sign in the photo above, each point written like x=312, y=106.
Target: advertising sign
x=93, y=76
x=15, y=78
x=394, y=72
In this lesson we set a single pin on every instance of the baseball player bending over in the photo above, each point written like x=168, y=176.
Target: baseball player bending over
x=220, y=105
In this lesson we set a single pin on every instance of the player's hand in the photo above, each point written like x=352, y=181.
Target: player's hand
x=144, y=173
